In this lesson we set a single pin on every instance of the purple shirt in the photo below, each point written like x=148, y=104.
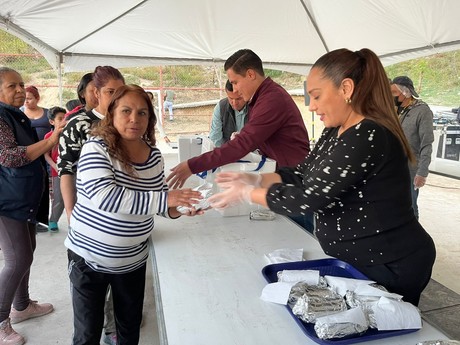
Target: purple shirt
x=275, y=127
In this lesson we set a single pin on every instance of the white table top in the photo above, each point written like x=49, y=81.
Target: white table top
x=208, y=280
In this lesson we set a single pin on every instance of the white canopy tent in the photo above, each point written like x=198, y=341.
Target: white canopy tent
x=289, y=35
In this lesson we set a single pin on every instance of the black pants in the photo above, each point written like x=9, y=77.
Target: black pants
x=44, y=207
x=18, y=242
x=307, y=221
x=407, y=276
x=89, y=289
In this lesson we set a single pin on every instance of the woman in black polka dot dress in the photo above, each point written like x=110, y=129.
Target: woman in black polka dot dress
x=356, y=178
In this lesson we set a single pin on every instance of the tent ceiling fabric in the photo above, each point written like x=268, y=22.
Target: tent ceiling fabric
x=288, y=35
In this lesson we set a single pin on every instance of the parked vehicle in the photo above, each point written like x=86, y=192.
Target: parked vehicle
x=445, y=118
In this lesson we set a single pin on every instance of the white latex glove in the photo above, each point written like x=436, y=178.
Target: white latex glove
x=252, y=179
x=233, y=193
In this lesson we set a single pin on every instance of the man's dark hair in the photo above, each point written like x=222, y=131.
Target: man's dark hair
x=243, y=60
x=228, y=86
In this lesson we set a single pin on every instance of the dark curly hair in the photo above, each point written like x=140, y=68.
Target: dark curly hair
x=53, y=111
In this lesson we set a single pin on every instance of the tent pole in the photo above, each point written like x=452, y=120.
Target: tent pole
x=60, y=69
x=161, y=93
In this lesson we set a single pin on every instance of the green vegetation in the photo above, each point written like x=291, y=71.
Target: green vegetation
x=68, y=94
x=20, y=58
x=273, y=73
x=131, y=79
x=436, y=77
x=149, y=74
x=73, y=77
x=16, y=46
x=47, y=75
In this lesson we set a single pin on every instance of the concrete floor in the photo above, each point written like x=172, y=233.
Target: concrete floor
x=440, y=303
x=439, y=202
x=49, y=283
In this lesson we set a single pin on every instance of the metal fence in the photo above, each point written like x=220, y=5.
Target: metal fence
x=197, y=88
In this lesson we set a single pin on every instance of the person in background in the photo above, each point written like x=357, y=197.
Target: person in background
x=39, y=119
x=120, y=187
x=159, y=122
x=106, y=80
x=86, y=96
x=416, y=120
x=275, y=126
x=22, y=180
x=56, y=117
x=38, y=116
x=168, y=97
x=74, y=105
x=229, y=116
x=356, y=178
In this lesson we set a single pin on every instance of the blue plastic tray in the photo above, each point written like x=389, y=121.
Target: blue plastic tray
x=331, y=267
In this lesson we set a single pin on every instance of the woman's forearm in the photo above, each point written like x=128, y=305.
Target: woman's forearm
x=39, y=148
x=259, y=196
x=269, y=179
x=69, y=193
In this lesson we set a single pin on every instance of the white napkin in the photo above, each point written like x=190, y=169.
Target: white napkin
x=311, y=277
x=341, y=284
x=277, y=292
x=391, y=315
x=367, y=290
x=355, y=315
x=284, y=255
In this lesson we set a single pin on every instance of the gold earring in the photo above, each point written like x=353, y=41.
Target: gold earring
x=347, y=100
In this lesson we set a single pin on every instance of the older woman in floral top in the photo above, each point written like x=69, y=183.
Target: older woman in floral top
x=22, y=184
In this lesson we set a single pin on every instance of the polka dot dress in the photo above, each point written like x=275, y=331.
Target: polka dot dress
x=358, y=184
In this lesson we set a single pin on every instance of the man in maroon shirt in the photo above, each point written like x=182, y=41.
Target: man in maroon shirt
x=275, y=125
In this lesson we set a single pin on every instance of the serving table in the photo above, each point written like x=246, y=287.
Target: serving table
x=207, y=282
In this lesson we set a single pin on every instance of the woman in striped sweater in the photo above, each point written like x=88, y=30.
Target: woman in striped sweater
x=120, y=186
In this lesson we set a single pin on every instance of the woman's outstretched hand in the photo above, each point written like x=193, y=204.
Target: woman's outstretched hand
x=234, y=192
x=183, y=197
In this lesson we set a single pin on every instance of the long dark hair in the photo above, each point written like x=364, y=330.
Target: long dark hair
x=85, y=80
x=372, y=94
x=107, y=131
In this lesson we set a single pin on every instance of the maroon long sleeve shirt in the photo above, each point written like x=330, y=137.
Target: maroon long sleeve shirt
x=275, y=127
